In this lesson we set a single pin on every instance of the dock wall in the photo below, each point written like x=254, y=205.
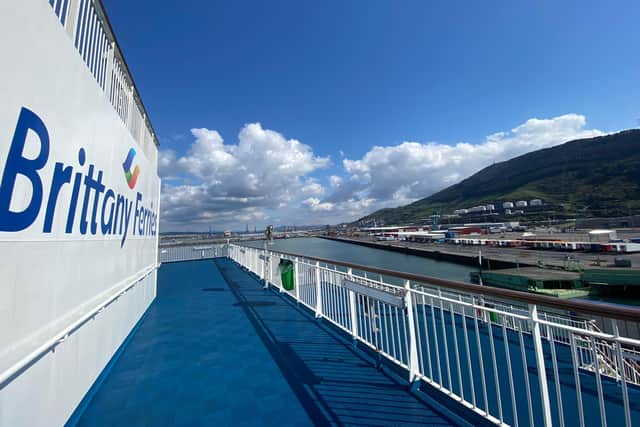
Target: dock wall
x=465, y=259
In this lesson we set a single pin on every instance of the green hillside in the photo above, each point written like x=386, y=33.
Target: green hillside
x=588, y=177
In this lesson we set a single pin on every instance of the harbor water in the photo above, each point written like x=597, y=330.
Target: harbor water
x=339, y=251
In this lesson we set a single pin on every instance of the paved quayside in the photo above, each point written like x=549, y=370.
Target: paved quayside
x=212, y=351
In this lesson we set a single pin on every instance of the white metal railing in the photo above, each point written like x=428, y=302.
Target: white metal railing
x=60, y=337
x=607, y=358
x=190, y=253
x=86, y=23
x=455, y=340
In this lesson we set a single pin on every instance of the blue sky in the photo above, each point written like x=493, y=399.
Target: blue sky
x=441, y=88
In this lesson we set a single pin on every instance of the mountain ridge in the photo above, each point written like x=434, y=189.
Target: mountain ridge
x=597, y=176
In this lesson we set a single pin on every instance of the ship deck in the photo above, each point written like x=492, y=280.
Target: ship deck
x=216, y=349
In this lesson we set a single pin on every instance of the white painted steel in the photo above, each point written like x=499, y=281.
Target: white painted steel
x=542, y=372
x=406, y=337
x=352, y=308
x=576, y=376
x=413, y=345
x=191, y=253
x=53, y=278
x=318, y=291
x=296, y=275
x=9, y=374
x=86, y=24
x=620, y=360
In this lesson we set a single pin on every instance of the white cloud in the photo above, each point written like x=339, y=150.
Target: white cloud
x=315, y=205
x=266, y=177
x=313, y=188
x=335, y=181
x=223, y=182
x=402, y=173
x=166, y=163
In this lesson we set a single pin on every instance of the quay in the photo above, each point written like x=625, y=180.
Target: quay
x=492, y=257
x=439, y=252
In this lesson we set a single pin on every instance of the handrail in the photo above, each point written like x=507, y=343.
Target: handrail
x=136, y=92
x=91, y=33
x=20, y=366
x=598, y=308
x=422, y=335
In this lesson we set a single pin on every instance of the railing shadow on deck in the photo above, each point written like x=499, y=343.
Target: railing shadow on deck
x=336, y=383
x=415, y=324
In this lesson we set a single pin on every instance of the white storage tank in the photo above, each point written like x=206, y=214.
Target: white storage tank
x=476, y=209
x=521, y=204
x=602, y=236
x=507, y=205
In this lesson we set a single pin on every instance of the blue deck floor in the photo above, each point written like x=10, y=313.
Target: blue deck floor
x=216, y=349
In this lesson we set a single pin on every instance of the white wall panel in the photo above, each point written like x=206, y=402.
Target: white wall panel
x=50, y=279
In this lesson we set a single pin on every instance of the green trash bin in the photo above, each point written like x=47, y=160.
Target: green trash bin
x=493, y=316
x=286, y=274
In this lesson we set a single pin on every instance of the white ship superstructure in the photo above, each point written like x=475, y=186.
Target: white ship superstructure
x=79, y=198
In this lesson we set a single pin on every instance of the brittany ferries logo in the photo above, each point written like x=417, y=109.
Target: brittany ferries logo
x=131, y=178
x=31, y=186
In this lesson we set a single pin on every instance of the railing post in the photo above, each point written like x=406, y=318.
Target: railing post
x=143, y=128
x=108, y=70
x=413, y=346
x=71, y=20
x=318, y=292
x=271, y=273
x=542, y=373
x=621, y=374
x=264, y=266
x=130, y=92
x=353, y=311
x=295, y=279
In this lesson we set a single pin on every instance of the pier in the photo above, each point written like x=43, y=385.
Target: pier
x=492, y=257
